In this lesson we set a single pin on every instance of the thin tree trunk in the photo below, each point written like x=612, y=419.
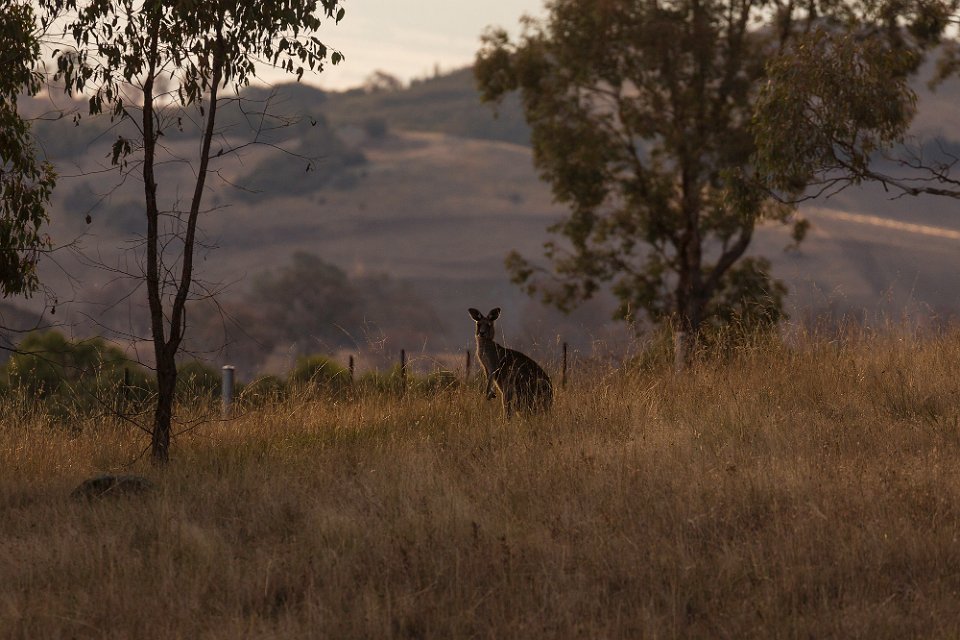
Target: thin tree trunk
x=166, y=377
x=163, y=414
x=166, y=349
x=189, y=242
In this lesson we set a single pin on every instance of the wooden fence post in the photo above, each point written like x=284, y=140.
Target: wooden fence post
x=466, y=377
x=124, y=397
x=563, y=375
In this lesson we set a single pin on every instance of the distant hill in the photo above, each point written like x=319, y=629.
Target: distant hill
x=446, y=103
x=424, y=184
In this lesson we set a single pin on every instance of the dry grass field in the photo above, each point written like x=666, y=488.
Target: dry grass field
x=782, y=491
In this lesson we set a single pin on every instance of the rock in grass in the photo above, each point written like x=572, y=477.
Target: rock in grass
x=109, y=486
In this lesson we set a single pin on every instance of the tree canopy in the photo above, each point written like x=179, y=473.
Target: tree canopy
x=159, y=65
x=312, y=305
x=26, y=182
x=838, y=100
x=641, y=119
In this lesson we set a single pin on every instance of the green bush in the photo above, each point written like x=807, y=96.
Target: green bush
x=380, y=382
x=197, y=381
x=435, y=382
x=264, y=389
x=320, y=373
x=391, y=382
x=85, y=375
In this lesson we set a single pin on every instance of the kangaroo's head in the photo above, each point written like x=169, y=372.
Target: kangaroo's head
x=485, y=328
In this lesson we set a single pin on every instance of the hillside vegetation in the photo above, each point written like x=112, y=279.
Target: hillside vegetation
x=798, y=488
x=448, y=104
x=396, y=188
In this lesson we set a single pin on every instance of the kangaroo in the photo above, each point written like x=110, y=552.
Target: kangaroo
x=523, y=385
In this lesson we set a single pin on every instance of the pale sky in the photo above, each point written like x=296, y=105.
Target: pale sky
x=408, y=38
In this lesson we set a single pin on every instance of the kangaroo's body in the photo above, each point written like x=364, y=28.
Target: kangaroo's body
x=523, y=385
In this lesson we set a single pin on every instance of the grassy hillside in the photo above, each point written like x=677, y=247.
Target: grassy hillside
x=425, y=185
x=807, y=490
x=447, y=103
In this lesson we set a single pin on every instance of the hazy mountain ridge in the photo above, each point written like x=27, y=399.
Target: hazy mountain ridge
x=425, y=185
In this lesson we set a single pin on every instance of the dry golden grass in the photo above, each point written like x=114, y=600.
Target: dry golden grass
x=781, y=492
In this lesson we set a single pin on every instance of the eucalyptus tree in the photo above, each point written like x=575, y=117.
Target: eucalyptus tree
x=157, y=64
x=642, y=122
x=640, y=115
x=839, y=101
x=26, y=181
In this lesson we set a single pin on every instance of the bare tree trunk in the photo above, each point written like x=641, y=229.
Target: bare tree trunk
x=165, y=348
x=163, y=413
x=166, y=374
x=687, y=330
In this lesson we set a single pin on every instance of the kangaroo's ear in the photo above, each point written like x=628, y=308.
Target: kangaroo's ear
x=494, y=314
x=476, y=315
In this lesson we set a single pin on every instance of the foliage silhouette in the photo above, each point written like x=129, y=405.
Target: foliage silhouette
x=152, y=65
x=641, y=123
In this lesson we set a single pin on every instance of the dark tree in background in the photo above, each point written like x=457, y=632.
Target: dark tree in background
x=640, y=112
x=310, y=303
x=300, y=306
x=642, y=117
x=26, y=182
x=838, y=104
x=157, y=65
x=313, y=306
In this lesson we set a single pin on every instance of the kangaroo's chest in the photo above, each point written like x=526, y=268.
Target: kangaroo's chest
x=489, y=356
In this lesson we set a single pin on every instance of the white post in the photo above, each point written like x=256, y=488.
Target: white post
x=226, y=390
